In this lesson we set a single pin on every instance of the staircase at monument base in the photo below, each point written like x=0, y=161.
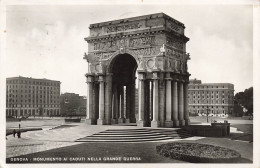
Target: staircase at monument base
x=136, y=135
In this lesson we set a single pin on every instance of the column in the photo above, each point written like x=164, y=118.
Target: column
x=181, y=105
x=168, y=121
x=186, y=104
x=127, y=102
x=175, y=104
x=147, y=102
x=108, y=101
x=150, y=99
x=141, y=106
x=128, y=97
x=95, y=102
x=162, y=100
x=114, y=119
x=121, y=108
x=132, y=102
x=89, y=115
x=101, y=106
x=155, y=122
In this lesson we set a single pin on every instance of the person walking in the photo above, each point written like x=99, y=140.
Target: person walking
x=19, y=134
x=14, y=132
x=19, y=126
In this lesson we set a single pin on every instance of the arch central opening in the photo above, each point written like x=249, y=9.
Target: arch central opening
x=123, y=89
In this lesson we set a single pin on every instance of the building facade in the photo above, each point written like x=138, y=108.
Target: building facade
x=32, y=97
x=216, y=99
x=154, y=46
x=72, y=104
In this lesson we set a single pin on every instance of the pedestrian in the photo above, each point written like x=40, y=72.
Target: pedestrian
x=14, y=132
x=19, y=134
x=19, y=126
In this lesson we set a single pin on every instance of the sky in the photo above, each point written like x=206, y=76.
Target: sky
x=48, y=41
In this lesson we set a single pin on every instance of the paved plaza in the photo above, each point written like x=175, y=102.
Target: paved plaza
x=58, y=138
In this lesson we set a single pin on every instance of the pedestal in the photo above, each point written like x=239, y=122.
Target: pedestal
x=168, y=124
x=182, y=123
x=155, y=124
x=176, y=123
x=121, y=120
x=127, y=120
x=107, y=121
x=114, y=121
x=141, y=123
x=187, y=122
x=132, y=120
x=100, y=122
x=89, y=121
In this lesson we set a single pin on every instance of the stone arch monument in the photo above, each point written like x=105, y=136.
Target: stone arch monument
x=154, y=46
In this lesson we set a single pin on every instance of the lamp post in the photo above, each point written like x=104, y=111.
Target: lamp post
x=207, y=113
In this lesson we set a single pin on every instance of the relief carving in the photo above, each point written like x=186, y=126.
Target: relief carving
x=142, y=41
x=116, y=44
x=175, y=43
x=173, y=53
x=144, y=51
x=102, y=55
x=140, y=63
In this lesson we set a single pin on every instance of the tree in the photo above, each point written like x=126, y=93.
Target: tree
x=245, y=99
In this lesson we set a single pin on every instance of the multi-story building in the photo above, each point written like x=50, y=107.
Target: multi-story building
x=72, y=104
x=216, y=99
x=32, y=97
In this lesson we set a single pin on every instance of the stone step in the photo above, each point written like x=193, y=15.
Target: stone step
x=136, y=135
x=124, y=140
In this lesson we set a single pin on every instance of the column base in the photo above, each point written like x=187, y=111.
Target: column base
x=168, y=124
x=176, y=123
x=89, y=121
x=108, y=121
x=187, y=122
x=141, y=123
x=132, y=120
x=182, y=123
x=114, y=121
x=100, y=122
x=127, y=120
x=161, y=124
x=121, y=120
x=155, y=124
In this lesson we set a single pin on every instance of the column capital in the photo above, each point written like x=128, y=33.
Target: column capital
x=141, y=79
x=156, y=70
x=101, y=78
x=89, y=75
x=90, y=79
x=101, y=74
x=109, y=74
x=168, y=79
x=141, y=71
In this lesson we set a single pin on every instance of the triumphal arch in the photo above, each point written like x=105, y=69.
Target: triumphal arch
x=151, y=49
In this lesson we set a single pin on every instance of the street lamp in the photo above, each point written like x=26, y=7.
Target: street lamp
x=207, y=113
